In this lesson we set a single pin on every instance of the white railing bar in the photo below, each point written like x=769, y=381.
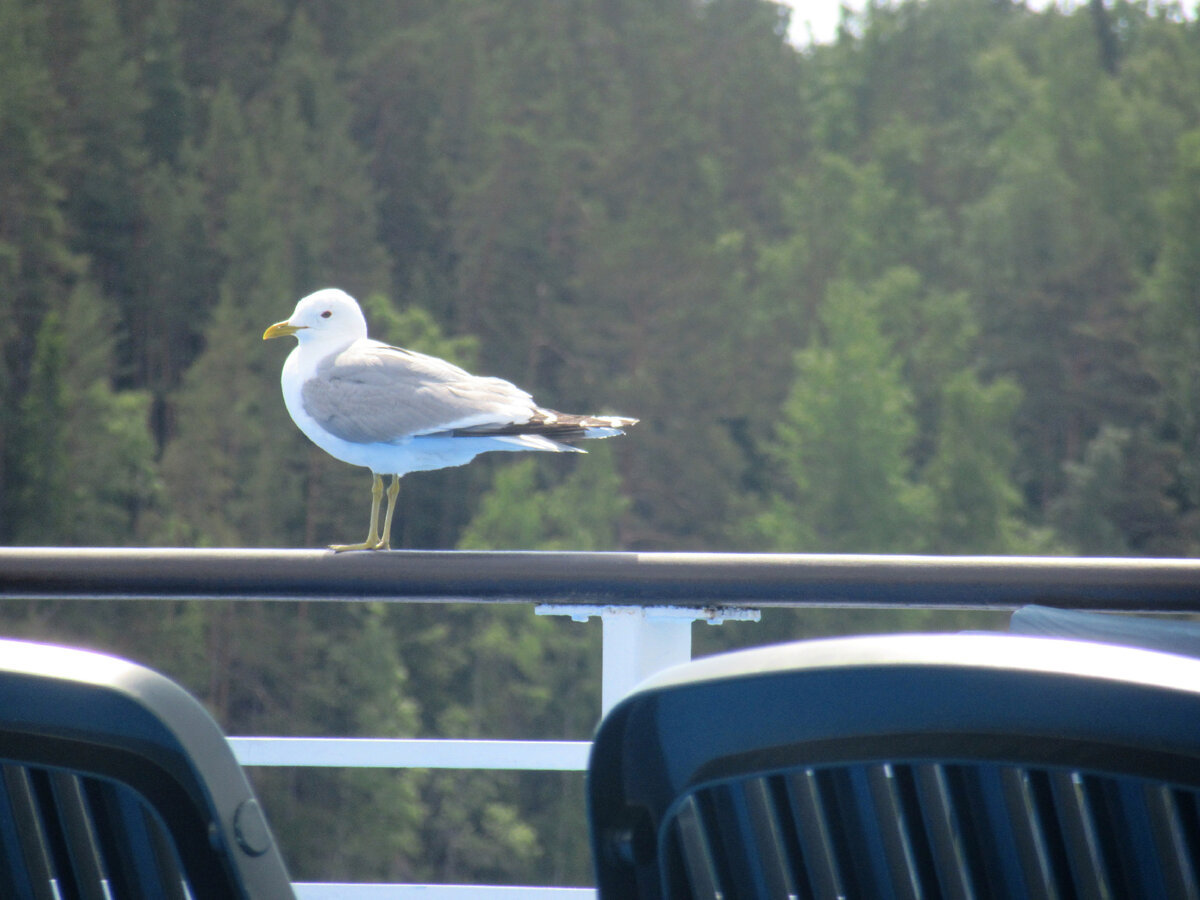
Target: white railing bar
x=412, y=753
x=330, y=891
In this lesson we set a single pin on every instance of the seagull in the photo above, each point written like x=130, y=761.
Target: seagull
x=395, y=411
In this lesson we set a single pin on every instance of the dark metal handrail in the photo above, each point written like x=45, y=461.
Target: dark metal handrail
x=620, y=579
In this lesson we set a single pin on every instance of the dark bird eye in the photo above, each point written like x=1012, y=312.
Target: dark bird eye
x=326, y=314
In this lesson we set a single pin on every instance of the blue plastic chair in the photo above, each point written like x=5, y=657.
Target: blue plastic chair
x=938, y=766
x=116, y=783
x=1169, y=635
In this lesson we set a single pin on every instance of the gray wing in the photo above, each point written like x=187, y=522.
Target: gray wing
x=372, y=393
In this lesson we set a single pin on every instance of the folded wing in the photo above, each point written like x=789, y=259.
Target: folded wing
x=373, y=393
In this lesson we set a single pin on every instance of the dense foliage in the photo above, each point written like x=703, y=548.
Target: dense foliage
x=931, y=288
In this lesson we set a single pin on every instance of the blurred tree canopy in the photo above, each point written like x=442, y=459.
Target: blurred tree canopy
x=932, y=287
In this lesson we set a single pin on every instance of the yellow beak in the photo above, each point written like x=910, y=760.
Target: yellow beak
x=280, y=329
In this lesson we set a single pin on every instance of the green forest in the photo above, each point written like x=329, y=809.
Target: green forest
x=932, y=287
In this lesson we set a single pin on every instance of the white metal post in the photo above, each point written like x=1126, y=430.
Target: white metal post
x=637, y=643
x=642, y=640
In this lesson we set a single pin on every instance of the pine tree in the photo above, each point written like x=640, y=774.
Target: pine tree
x=1119, y=498
x=976, y=504
x=35, y=261
x=101, y=85
x=167, y=120
x=85, y=457
x=1051, y=254
x=113, y=488
x=42, y=473
x=1174, y=314
x=174, y=269
x=232, y=43
x=843, y=442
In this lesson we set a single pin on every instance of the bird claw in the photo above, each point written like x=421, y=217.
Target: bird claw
x=380, y=544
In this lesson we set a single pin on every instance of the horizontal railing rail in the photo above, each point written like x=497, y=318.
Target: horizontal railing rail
x=647, y=602
x=413, y=753
x=621, y=579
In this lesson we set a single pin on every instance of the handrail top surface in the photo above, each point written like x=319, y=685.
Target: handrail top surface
x=607, y=578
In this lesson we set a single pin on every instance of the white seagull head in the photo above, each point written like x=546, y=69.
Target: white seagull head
x=329, y=319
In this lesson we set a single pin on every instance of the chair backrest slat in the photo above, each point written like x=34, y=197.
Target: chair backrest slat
x=32, y=844
x=79, y=836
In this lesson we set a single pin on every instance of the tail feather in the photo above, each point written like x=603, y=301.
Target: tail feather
x=556, y=426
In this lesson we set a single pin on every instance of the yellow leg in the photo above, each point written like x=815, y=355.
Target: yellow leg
x=372, y=542
x=385, y=542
